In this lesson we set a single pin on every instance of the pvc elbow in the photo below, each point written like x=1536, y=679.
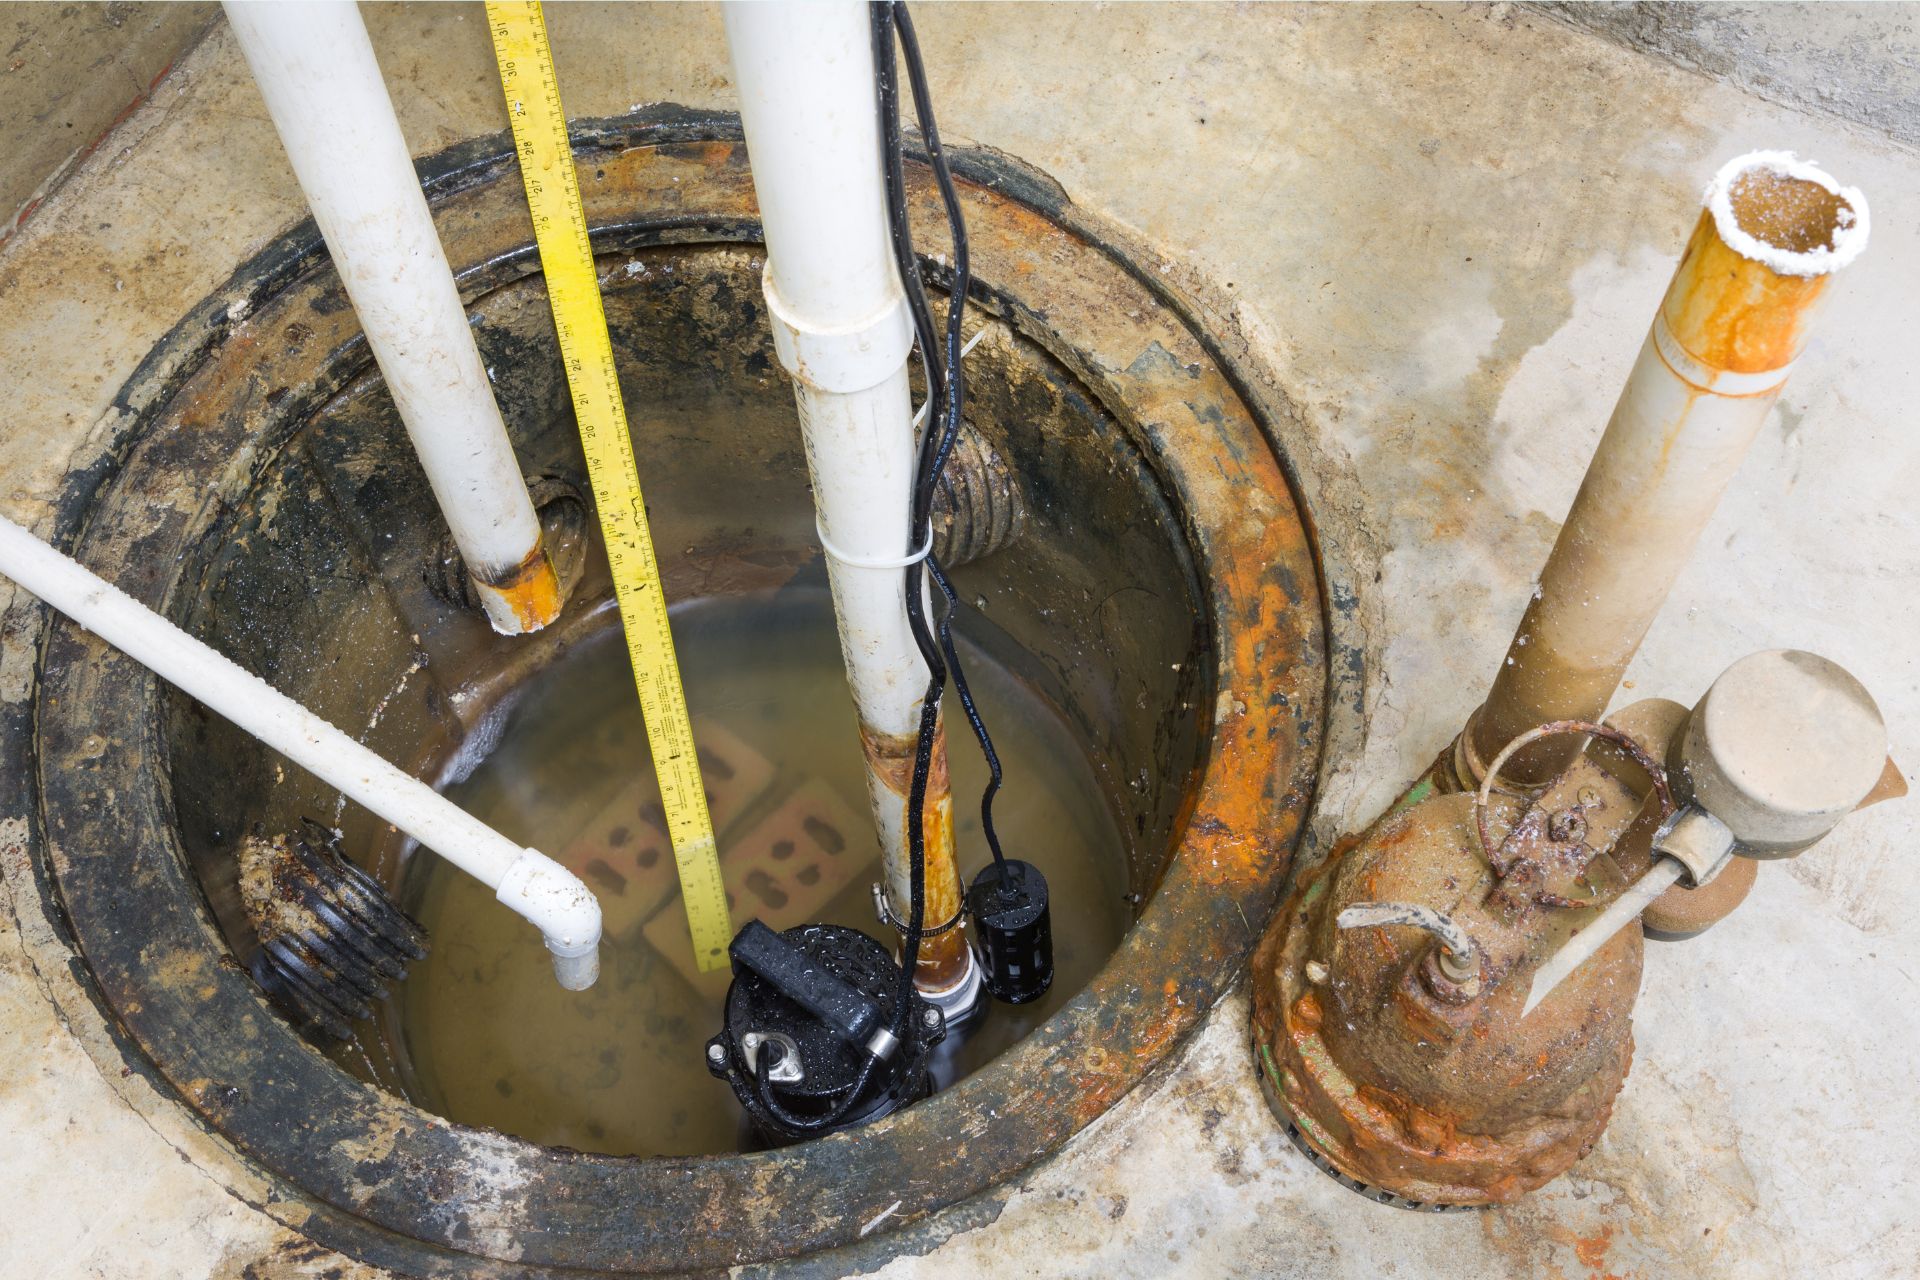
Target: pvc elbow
x=556, y=902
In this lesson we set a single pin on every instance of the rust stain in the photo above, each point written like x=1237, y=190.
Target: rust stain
x=1592, y=1250
x=531, y=589
x=943, y=957
x=1734, y=314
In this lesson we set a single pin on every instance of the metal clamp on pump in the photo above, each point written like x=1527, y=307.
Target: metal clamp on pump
x=811, y=1043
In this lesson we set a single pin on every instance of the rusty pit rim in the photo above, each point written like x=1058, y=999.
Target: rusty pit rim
x=382, y=1180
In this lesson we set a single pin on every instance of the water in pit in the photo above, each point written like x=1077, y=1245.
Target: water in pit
x=481, y=1033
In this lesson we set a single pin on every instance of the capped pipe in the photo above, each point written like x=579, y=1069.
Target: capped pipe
x=527, y=881
x=316, y=70
x=841, y=329
x=1735, y=318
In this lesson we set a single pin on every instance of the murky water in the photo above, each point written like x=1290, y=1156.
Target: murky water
x=485, y=1037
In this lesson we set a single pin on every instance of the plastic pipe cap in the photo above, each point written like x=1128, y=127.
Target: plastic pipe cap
x=1784, y=745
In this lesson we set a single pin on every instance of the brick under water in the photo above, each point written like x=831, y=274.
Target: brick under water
x=480, y=1034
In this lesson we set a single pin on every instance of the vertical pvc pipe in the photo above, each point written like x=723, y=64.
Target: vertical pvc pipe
x=526, y=880
x=316, y=70
x=1733, y=321
x=841, y=328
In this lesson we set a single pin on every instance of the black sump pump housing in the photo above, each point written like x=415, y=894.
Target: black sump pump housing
x=810, y=1045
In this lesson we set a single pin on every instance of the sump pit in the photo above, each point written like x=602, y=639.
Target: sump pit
x=476, y=1034
x=1163, y=603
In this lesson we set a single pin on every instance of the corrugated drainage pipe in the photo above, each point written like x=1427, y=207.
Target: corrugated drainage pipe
x=316, y=70
x=1734, y=320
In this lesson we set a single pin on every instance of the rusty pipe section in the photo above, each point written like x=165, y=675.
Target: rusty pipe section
x=842, y=331
x=945, y=965
x=1735, y=318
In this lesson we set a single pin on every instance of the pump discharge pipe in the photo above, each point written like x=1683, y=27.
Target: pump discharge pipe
x=1734, y=319
x=530, y=883
x=316, y=70
x=841, y=328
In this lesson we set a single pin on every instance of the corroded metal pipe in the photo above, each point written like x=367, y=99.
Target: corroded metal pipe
x=1734, y=320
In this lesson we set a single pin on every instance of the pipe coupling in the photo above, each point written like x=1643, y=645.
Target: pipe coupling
x=1705, y=377
x=845, y=360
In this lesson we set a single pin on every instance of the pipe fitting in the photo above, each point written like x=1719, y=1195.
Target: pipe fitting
x=556, y=902
x=840, y=360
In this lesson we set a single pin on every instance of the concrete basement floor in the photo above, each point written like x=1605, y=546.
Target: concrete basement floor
x=1442, y=233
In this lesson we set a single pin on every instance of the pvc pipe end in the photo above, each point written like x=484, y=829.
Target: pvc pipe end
x=526, y=599
x=576, y=972
x=556, y=902
x=1787, y=214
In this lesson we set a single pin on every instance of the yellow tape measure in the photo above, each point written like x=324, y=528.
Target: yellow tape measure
x=573, y=290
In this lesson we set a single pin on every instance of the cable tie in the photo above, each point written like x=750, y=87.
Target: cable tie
x=864, y=562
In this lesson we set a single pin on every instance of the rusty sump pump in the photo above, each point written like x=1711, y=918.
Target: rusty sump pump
x=1442, y=1010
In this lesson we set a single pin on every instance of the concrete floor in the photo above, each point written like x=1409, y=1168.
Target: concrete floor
x=1442, y=233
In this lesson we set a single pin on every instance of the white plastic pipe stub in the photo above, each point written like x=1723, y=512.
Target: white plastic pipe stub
x=526, y=880
x=553, y=900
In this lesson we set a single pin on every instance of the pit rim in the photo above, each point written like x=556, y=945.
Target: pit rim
x=389, y=1205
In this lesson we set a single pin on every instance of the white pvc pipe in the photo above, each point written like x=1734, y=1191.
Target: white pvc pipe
x=841, y=328
x=526, y=880
x=316, y=70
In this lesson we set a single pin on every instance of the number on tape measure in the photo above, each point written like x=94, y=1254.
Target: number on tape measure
x=573, y=291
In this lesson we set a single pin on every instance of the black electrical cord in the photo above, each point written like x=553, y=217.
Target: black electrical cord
x=973, y=715
x=954, y=405
x=887, y=86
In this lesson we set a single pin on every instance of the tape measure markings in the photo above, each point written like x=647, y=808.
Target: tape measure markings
x=573, y=290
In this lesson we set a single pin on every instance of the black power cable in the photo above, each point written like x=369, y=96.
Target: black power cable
x=887, y=87
x=955, y=391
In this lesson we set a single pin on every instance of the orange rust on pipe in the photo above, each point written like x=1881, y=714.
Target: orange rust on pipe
x=1736, y=315
x=531, y=589
x=943, y=958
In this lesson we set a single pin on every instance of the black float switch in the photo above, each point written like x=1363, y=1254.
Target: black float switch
x=1012, y=931
x=809, y=1046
